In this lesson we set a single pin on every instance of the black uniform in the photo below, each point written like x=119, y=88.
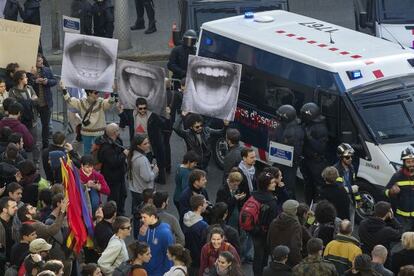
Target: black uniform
x=12, y=9
x=290, y=134
x=32, y=12
x=148, y=5
x=178, y=61
x=82, y=9
x=103, y=18
x=314, y=150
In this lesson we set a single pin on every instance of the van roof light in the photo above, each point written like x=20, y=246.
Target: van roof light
x=248, y=15
x=354, y=74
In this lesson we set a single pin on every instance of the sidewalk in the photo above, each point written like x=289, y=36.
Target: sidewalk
x=144, y=47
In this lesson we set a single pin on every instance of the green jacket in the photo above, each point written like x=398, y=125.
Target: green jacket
x=315, y=266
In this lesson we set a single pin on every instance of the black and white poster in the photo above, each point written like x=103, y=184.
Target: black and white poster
x=137, y=79
x=212, y=87
x=89, y=62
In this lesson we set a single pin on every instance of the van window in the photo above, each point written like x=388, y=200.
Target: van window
x=347, y=125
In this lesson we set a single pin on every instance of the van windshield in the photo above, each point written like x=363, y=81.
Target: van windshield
x=388, y=114
x=396, y=11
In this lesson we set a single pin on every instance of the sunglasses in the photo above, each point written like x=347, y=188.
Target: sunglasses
x=348, y=157
x=198, y=126
x=126, y=228
x=142, y=108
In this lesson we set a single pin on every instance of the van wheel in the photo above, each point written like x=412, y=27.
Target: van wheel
x=369, y=195
x=220, y=151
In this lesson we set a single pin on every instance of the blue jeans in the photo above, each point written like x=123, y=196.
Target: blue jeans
x=87, y=143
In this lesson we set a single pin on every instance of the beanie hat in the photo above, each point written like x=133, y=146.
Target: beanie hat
x=280, y=252
x=290, y=207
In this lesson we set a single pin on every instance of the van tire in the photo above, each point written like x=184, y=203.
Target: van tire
x=219, y=147
x=370, y=195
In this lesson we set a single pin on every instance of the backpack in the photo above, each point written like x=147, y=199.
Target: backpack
x=251, y=215
x=125, y=269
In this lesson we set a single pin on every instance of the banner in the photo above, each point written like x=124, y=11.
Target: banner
x=281, y=153
x=71, y=24
x=19, y=43
x=212, y=87
x=89, y=62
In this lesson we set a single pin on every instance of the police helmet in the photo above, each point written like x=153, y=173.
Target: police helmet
x=286, y=113
x=345, y=149
x=190, y=38
x=408, y=153
x=310, y=112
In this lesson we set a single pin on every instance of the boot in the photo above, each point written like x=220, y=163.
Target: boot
x=139, y=25
x=151, y=28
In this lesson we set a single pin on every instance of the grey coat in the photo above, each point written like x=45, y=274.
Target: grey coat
x=142, y=173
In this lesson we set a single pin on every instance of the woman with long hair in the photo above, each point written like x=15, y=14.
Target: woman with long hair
x=225, y=265
x=362, y=266
x=181, y=258
x=141, y=254
x=91, y=269
x=211, y=250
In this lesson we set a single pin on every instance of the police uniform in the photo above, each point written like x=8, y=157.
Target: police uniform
x=32, y=12
x=103, y=18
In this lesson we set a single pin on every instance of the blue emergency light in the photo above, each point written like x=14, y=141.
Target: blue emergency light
x=248, y=15
x=354, y=75
x=208, y=41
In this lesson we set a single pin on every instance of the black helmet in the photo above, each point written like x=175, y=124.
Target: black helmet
x=190, y=38
x=345, y=149
x=286, y=113
x=408, y=153
x=310, y=112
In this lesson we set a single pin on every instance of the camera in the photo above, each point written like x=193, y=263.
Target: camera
x=86, y=122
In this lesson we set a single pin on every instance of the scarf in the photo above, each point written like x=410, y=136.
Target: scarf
x=249, y=173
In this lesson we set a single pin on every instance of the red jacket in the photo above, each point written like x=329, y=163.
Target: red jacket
x=209, y=255
x=16, y=126
x=95, y=176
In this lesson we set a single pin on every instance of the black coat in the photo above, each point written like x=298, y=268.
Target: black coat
x=316, y=139
x=224, y=195
x=374, y=230
x=103, y=19
x=82, y=9
x=337, y=195
x=103, y=233
x=277, y=269
x=155, y=126
x=401, y=258
x=178, y=61
x=111, y=155
x=12, y=9
x=32, y=12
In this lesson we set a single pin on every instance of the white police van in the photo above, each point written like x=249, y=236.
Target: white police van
x=392, y=20
x=363, y=84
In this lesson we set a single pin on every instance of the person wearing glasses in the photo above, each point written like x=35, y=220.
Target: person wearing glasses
x=92, y=111
x=347, y=176
x=116, y=252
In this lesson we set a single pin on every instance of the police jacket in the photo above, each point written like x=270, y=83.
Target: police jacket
x=82, y=9
x=178, y=60
x=103, y=18
x=291, y=134
x=404, y=199
x=203, y=149
x=12, y=9
x=32, y=12
x=316, y=139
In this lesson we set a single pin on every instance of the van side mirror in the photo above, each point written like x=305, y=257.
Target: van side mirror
x=363, y=19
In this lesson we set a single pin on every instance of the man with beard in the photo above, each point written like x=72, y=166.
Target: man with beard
x=401, y=189
x=8, y=210
x=178, y=60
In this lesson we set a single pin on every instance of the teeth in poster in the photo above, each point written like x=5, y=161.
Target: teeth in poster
x=89, y=62
x=212, y=87
x=137, y=79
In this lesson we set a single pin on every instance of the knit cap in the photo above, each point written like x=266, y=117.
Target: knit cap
x=290, y=207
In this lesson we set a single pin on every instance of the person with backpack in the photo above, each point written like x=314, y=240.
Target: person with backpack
x=181, y=258
x=116, y=252
x=211, y=250
x=141, y=254
x=258, y=212
x=327, y=223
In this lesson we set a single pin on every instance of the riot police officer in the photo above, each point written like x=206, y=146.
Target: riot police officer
x=289, y=132
x=400, y=188
x=32, y=12
x=82, y=9
x=140, y=22
x=103, y=18
x=314, y=149
x=12, y=9
x=179, y=56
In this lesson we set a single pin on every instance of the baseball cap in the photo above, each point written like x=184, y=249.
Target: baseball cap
x=39, y=245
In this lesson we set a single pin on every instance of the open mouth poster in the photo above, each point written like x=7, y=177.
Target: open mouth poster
x=212, y=87
x=141, y=80
x=89, y=62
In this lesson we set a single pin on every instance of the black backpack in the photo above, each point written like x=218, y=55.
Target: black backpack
x=125, y=269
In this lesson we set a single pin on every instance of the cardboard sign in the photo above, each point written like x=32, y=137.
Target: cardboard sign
x=19, y=43
x=281, y=153
x=71, y=24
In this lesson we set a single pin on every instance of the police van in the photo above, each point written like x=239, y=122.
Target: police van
x=364, y=85
x=392, y=20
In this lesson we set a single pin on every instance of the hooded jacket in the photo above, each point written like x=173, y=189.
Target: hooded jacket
x=286, y=230
x=194, y=228
x=142, y=175
x=277, y=269
x=16, y=126
x=158, y=237
x=184, y=202
x=374, y=230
